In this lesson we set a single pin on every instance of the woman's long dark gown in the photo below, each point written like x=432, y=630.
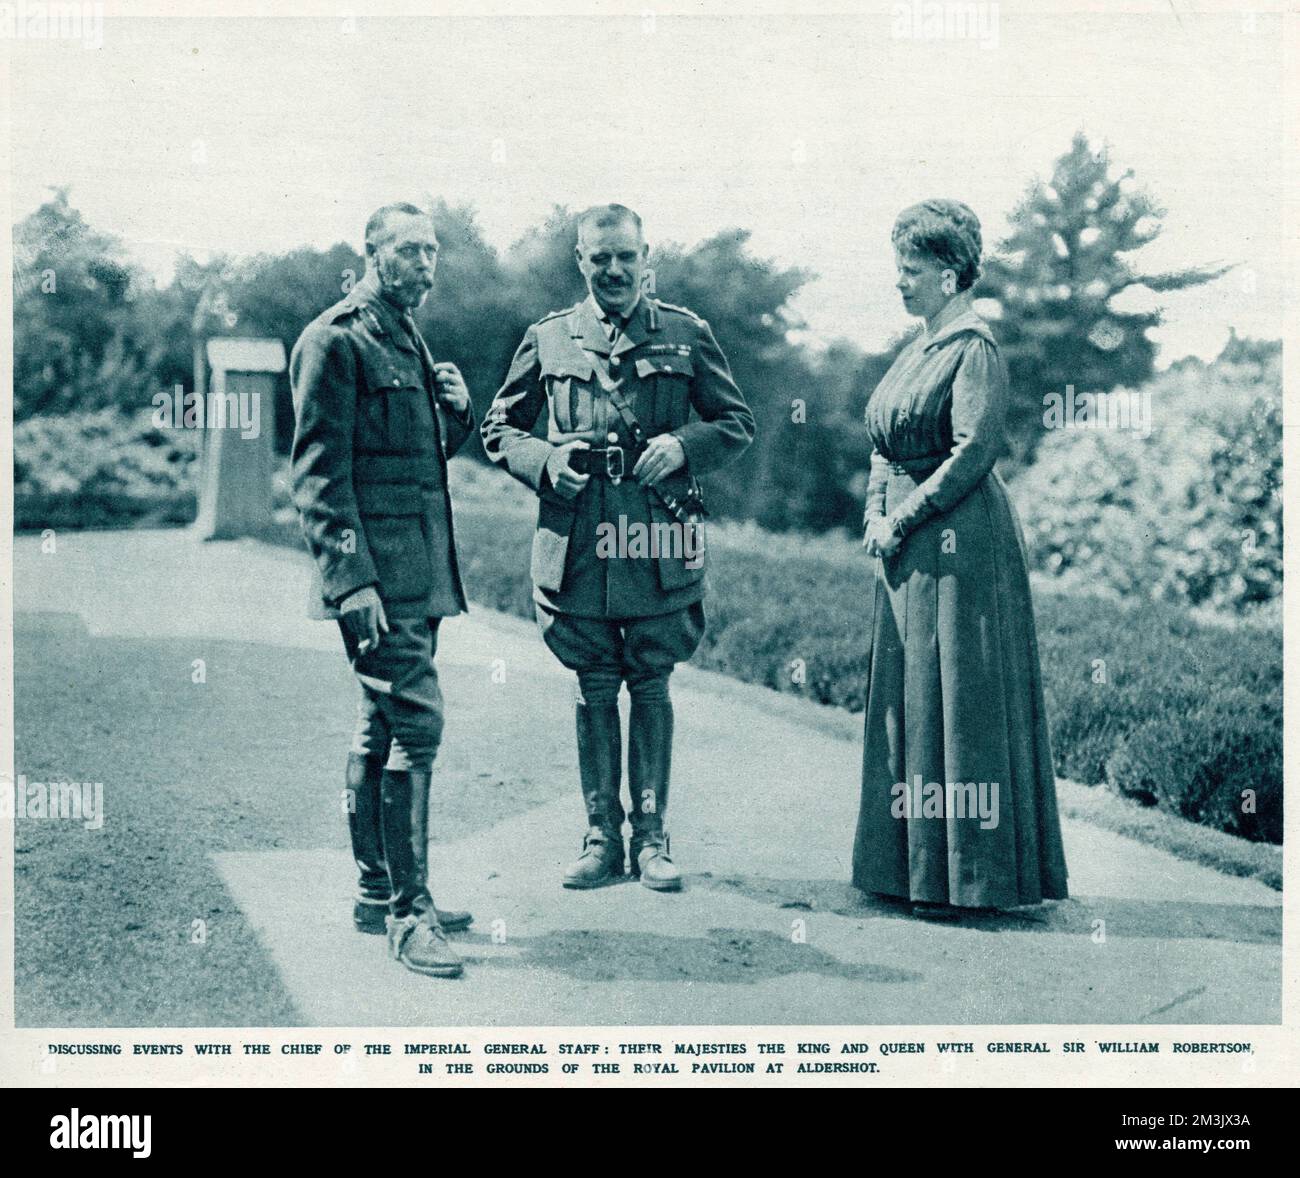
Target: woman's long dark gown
x=954, y=690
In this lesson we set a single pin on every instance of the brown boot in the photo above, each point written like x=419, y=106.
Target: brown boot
x=654, y=866
x=419, y=943
x=600, y=863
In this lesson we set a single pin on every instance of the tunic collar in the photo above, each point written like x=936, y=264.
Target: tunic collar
x=589, y=326
x=397, y=324
x=603, y=315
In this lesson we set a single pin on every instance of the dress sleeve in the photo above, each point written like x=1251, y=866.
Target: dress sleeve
x=979, y=407
x=876, y=483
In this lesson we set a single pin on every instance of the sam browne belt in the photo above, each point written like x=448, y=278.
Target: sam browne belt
x=611, y=462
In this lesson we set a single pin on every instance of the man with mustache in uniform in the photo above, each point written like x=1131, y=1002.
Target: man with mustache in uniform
x=639, y=400
x=376, y=420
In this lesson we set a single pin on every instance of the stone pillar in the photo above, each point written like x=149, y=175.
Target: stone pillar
x=239, y=428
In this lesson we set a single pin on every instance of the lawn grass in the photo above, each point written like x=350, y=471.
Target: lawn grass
x=1176, y=714
x=1170, y=710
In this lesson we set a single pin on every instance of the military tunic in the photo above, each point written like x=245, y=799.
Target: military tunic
x=369, y=460
x=668, y=364
x=369, y=467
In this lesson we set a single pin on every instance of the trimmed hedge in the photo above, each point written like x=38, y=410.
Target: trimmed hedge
x=1159, y=706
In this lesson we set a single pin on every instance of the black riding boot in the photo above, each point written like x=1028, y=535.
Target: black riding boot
x=415, y=936
x=649, y=761
x=371, y=908
x=363, y=808
x=600, y=757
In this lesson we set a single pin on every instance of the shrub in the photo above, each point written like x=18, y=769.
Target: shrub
x=102, y=469
x=1191, y=514
x=1179, y=713
x=1166, y=710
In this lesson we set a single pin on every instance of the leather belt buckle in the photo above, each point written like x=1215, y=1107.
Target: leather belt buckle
x=614, y=470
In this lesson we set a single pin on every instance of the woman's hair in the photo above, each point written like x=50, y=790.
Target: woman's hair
x=945, y=230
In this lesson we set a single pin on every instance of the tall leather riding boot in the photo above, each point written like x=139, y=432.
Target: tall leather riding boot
x=649, y=762
x=405, y=829
x=415, y=935
x=600, y=757
x=365, y=825
x=363, y=809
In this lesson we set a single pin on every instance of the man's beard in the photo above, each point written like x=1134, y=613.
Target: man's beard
x=410, y=294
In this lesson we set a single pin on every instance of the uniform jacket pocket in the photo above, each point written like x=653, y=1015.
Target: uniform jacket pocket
x=568, y=381
x=551, y=542
x=392, y=515
x=394, y=411
x=668, y=379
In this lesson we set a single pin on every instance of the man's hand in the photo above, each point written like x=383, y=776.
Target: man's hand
x=453, y=393
x=880, y=538
x=663, y=455
x=567, y=481
x=371, y=621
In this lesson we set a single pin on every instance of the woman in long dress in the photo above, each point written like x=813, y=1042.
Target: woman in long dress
x=958, y=802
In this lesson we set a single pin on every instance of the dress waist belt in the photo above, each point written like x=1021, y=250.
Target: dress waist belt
x=919, y=467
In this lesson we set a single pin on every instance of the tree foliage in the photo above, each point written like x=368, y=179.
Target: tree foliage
x=75, y=291
x=1074, y=309
x=1192, y=512
x=91, y=330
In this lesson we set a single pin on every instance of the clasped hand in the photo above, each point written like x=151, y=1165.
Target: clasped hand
x=880, y=539
x=663, y=454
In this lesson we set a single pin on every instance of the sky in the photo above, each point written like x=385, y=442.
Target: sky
x=813, y=131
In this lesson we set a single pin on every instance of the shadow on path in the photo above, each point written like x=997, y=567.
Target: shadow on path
x=725, y=956
x=1077, y=916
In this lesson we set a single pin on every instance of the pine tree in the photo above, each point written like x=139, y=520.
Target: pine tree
x=1058, y=278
